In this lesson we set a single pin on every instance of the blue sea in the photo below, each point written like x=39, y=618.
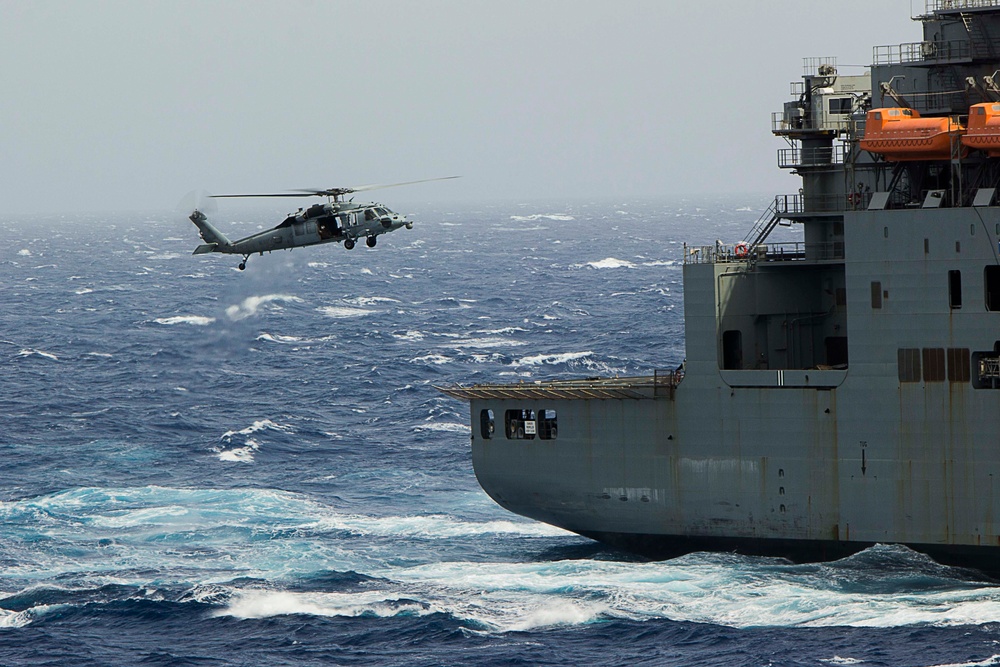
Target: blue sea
x=207, y=467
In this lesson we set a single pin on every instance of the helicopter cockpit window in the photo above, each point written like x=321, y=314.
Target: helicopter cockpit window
x=370, y=215
x=380, y=212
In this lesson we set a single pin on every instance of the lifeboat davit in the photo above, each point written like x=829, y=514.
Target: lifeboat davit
x=901, y=135
x=984, y=128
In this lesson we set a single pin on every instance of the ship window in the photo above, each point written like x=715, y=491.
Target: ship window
x=547, y=424
x=992, y=276
x=958, y=364
x=841, y=105
x=878, y=115
x=520, y=424
x=909, y=364
x=933, y=364
x=955, y=289
x=893, y=112
x=486, y=424
x=876, y=294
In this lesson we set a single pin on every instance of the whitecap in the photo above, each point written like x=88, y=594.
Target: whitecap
x=430, y=359
x=264, y=604
x=611, y=263
x=19, y=619
x=259, y=425
x=484, y=343
x=341, y=312
x=83, y=290
x=240, y=454
x=370, y=300
x=250, y=305
x=551, y=359
x=443, y=427
x=277, y=338
x=409, y=335
x=24, y=252
x=542, y=216
x=37, y=353
x=196, y=320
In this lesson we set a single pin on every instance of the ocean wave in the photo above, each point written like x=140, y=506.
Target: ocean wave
x=257, y=426
x=370, y=300
x=443, y=427
x=277, y=338
x=197, y=320
x=409, y=336
x=483, y=343
x=436, y=359
x=609, y=263
x=542, y=216
x=342, y=312
x=552, y=359
x=28, y=352
x=244, y=454
x=265, y=604
x=250, y=305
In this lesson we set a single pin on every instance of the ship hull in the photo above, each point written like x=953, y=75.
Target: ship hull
x=810, y=463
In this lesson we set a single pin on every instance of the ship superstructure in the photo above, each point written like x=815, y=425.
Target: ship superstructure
x=838, y=391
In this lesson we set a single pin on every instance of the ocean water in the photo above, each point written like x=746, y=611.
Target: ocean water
x=203, y=466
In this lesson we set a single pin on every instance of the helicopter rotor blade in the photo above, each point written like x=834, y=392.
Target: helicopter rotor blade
x=270, y=194
x=379, y=186
x=336, y=192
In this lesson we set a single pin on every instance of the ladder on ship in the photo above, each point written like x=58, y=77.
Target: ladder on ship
x=765, y=224
x=980, y=45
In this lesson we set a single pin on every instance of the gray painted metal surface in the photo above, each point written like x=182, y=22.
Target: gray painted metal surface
x=835, y=396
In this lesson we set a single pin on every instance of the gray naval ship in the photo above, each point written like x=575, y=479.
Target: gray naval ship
x=838, y=392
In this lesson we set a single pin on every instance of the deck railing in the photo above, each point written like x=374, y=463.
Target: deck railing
x=721, y=253
x=936, y=5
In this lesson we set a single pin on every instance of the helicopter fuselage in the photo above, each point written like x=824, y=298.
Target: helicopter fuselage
x=334, y=222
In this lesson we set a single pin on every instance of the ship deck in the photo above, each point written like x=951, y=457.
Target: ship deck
x=659, y=385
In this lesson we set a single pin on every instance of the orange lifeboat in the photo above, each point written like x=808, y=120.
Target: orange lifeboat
x=984, y=128
x=901, y=135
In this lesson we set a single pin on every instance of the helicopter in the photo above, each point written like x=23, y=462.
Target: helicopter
x=336, y=221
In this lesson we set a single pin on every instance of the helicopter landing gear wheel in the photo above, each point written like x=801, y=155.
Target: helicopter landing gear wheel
x=243, y=264
x=371, y=241
x=349, y=244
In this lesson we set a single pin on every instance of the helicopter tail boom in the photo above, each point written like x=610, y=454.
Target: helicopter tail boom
x=214, y=239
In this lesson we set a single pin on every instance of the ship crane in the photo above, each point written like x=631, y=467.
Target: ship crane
x=992, y=89
x=886, y=88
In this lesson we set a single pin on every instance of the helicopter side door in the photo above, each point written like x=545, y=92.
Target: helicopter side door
x=305, y=232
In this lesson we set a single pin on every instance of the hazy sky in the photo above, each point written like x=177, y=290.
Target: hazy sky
x=128, y=104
